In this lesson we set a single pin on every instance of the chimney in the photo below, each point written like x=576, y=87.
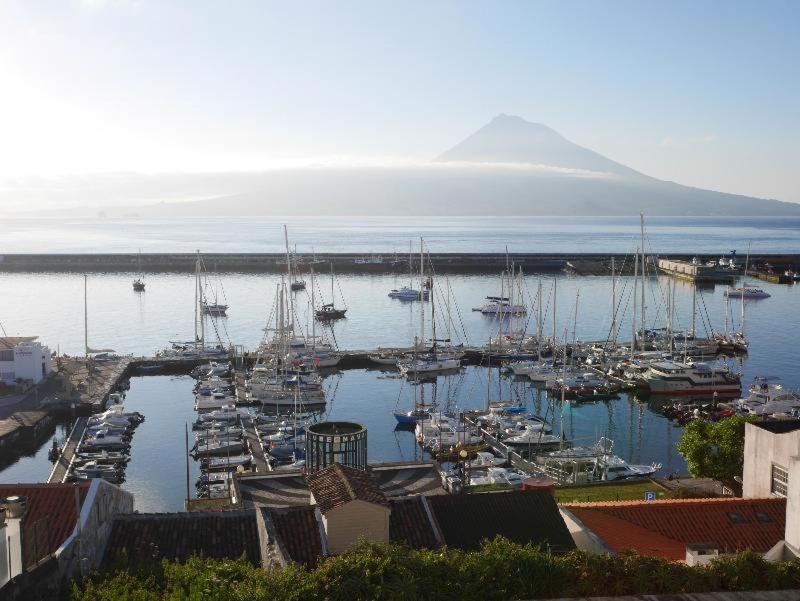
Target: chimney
x=11, y=529
x=701, y=554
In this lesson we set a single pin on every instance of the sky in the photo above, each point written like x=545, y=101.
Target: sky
x=702, y=93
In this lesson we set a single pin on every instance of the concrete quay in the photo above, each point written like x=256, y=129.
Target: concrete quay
x=350, y=263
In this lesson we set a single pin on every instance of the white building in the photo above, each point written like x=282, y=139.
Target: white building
x=772, y=469
x=21, y=357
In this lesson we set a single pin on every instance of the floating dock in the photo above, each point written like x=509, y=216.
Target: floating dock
x=62, y=465
x=255, y=445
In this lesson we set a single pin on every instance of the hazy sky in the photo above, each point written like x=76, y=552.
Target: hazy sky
x=703, y=93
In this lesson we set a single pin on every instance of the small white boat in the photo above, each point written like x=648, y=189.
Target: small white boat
x=408, y=294
x=384, y=359
x=215, y=309
x=227, y=463
x=429, y=365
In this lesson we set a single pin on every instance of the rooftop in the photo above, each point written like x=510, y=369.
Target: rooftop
x=50, y=515
x=779, y=426
x=339, y=484
x=665, y=528
x=178, y=536
x=9, y=342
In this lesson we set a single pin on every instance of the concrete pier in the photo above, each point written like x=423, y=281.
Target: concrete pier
x=349, y=263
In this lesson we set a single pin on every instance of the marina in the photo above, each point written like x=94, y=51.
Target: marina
x=361, y=388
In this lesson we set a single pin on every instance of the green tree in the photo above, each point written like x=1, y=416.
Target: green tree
x=715, y=449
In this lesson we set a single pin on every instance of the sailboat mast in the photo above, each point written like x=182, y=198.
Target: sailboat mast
x=288, y=254
x=575, y=321
x=313, y=308
x=539, y=320
x=746, y=265
x=694, y=308
x=85, y=316
x=641, y=223
x=421, y=293
x=196, y=298
x=613, y=303
x=635, y=290
x=555, y=290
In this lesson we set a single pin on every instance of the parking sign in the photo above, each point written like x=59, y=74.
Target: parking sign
x=650, y=495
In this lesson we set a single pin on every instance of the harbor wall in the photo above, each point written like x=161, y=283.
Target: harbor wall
x=343, y=262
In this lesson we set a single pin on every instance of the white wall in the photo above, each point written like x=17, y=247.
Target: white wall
x=28, y=360
x=761, y=449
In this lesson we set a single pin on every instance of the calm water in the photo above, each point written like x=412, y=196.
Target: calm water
x=51, y=305
x=391, y=234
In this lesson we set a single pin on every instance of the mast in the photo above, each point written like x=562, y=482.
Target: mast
x=575, y=321
x=641, y=223
x=744, y=281
x=85, y=316
x=539, y=320
x=635, y=290
x=694, y=308
x=288, y=254
x=313, y=308
x=555, y=290
x=421, y=293
x=333, y=302
x=196, y=298
x=613, y=303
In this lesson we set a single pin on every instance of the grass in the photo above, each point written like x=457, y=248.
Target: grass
x=623, y=491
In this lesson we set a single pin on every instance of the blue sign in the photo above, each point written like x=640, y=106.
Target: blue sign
x=650, y=495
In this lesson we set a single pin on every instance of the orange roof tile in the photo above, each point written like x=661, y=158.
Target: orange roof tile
x=664, y=528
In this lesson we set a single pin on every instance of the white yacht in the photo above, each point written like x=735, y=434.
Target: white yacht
x=670, y=377
x=584, y=465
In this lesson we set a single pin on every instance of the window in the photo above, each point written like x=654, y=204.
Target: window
x=7, y=355
x=736, y=517
x=780, y=481
x=763, y=517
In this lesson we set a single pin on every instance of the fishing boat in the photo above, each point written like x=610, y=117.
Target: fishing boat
x=746, y=291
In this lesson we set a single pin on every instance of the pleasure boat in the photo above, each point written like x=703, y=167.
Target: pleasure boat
x=92, y=469
x=106, y=457
x=138, y=285
x=104, y=440
x=581, y=465
x=215, y=309
x=584, y=383
x=297, y=285
x=226, y=463
x=500, y=305
x=387, y=359
x=487, y=459
x=411, y=417
x=669, y=377
x=746, y=291
x=407, y=293
x=533, y=436
x=329, y=312
x=218, y=447
x=770, y=400
x=429, y=365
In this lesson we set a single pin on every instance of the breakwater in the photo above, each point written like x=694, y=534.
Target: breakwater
x=349, y=263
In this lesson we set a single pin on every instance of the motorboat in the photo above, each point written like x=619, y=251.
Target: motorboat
x=768, y=399
x=108, y=457
x=598, y=463
x=407, y=293
x=670, y=377
x=92, y=469
x=102, y=439
x=226, y=463
x=218, y=447
x=215, y=309
x=533, y=436
x=329, y=313
x=485, y=458
x=411, y=417
x=746, y=291
x=387, y=359
x=429, y=365
x=501, y=306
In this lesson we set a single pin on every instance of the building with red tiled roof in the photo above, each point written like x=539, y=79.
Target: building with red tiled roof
x=667, y=528
x=52, y=530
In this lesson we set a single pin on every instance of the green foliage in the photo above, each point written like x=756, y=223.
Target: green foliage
x=630, y=490
x=715, y=449
x=500, y=570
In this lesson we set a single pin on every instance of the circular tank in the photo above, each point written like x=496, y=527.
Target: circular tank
x=336, y=442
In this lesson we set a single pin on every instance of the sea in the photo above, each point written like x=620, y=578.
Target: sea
x=51, y=306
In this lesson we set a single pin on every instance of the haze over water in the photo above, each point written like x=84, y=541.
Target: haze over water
x=234, y=234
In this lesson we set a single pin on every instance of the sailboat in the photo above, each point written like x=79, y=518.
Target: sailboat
x=432, y=362
x=417, y=413
x=295, y=285
x=407, y=293
x=329, y=312
x=138, y=283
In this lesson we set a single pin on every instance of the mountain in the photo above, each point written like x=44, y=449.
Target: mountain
x=508, y=167
x=510, y=139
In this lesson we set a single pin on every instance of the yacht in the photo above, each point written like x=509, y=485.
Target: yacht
x=584, y=465
x=408, y=294
x=535, y=436
x=770, y=400
x=431, y=364
x=215, y=309
x=670, y=377
x=501, y=306
x=746, y=291
x=329, y=313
